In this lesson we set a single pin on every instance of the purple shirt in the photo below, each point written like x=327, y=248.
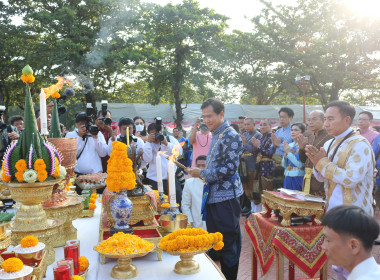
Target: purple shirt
x=369, y=134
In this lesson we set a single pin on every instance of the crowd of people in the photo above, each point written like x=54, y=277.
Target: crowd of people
x=228, y=165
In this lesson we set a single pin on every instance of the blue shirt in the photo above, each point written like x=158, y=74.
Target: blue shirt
x=223, y=163
x=284, y=134
x=376, y=151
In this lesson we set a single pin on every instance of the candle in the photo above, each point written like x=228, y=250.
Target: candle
x=171, y=179
x=127, y=136
x=72, y=252
x=62, y=272
x=43, y=113
x=159, y=173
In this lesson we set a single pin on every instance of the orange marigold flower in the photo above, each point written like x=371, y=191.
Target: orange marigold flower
x=28, y=78
x=167, y=205
x=39, y=164
x=20, y=176
x=21, y=165
x=219, y=245
x=56, y=95
x=70, y=184
x=29, y=241
x=67, y=188
x=83, y=263
x=94, y=195
x=91, y=206
x=76, y=277
x=92, y=200
x=12, y=265
x=42, y=175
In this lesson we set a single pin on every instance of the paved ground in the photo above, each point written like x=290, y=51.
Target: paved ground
x=245, y=259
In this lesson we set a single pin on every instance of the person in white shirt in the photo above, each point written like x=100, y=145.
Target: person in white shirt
x=192, y=197
x=90, y=148
x=349, y=236
x=160, y=144
x=125, y=123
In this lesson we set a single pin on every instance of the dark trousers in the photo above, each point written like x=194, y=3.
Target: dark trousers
x=224, y=217
x=178, y=189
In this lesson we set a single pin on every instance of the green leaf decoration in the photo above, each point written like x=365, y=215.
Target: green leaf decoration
x=27, y=70
x=46, y=158
x=13, y=158
x=55, y=129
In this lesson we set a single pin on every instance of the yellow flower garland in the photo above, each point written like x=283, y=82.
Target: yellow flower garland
x=167, y=205
x=91, y=206
x=12, y=265
x=191, y=240
x=119, y=167
x=76, y=277
x=56, y=171
x=124, y=244
x=29, y=241
x=83, y=263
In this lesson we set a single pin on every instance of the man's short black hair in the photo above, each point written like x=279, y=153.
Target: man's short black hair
x=126, y=121
x=353, y=221
x=241, y=118
x=216, y=104
x=151, y=127
x=16, y=118
x=368, y=113
x=345, y=108
x=201, y=157
x=288, y=111
x=235, y=126
x=80, y=117
x=176, y=128
x=300, y=126
x=100, y=113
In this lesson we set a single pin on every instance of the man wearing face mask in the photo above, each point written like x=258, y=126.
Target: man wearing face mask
x=201, y=140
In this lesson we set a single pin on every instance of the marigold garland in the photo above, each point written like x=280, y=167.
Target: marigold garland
x=27, y=78
x=120, y=173
x=91, y=206
x=94, y=195
x=167, y=205
x=83, y=263
x=92, y=200
x=29, y=241
x=12, y=265
x=56, y=170
x=76, y=277
x=191, y=240
x=124, y=244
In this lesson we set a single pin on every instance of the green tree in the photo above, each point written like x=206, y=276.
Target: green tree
x=180, y=41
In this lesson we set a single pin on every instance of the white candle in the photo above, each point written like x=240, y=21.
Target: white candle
x=43, y=113
x=159, y=173
x=171, y=181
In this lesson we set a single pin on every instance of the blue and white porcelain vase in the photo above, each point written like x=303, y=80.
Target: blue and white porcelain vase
x=121, y=209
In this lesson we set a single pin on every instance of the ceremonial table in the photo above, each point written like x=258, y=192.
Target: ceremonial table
x=301, y=244
x=148, y=267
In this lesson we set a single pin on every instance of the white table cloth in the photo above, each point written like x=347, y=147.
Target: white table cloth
x=148, y=267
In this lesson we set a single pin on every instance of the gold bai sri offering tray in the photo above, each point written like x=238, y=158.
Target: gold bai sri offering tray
x=288, y=205
x=68, y=212
x=124, y=268
x=187, y=265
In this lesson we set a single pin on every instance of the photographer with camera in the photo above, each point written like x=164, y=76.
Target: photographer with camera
x=91, y=145
x=158, y=142
x=201, y=140
x=8, y=133
x=125, y=123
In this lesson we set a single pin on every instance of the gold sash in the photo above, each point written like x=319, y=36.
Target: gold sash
x=342, y=160
x=307, y=180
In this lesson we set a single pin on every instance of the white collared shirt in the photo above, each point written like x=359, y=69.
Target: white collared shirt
x=366, y=270
x=90, y=159
x=150, y=153
x=357, y=175
x=192, y=202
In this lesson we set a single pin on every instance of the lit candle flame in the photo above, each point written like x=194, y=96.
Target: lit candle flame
x=56, y=87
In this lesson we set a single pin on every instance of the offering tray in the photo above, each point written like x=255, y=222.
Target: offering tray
x=187, y=265
x=49, y=236
x=68, y=212
x=124, y=269
x=288, y=205
x=39, y=269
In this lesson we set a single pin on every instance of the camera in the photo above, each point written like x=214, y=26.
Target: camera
x=159, y=136
x=107, y=121
x=90, y=126
x=124, y=139
x=69, y=92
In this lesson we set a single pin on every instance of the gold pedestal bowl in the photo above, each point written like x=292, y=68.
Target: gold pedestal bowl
x=30, y=216
x=187, y=265
x=124, y=268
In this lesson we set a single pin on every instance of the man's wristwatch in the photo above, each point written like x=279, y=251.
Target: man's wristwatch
x=202, y=175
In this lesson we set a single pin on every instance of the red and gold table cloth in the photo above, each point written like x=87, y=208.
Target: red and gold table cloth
x=302, y=244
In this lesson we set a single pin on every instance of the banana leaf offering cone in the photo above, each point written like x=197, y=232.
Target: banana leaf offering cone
x=55, y=128
x=31, y=159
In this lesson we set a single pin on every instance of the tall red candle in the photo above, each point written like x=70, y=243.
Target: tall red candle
x=62, y=272
x=72, y=252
